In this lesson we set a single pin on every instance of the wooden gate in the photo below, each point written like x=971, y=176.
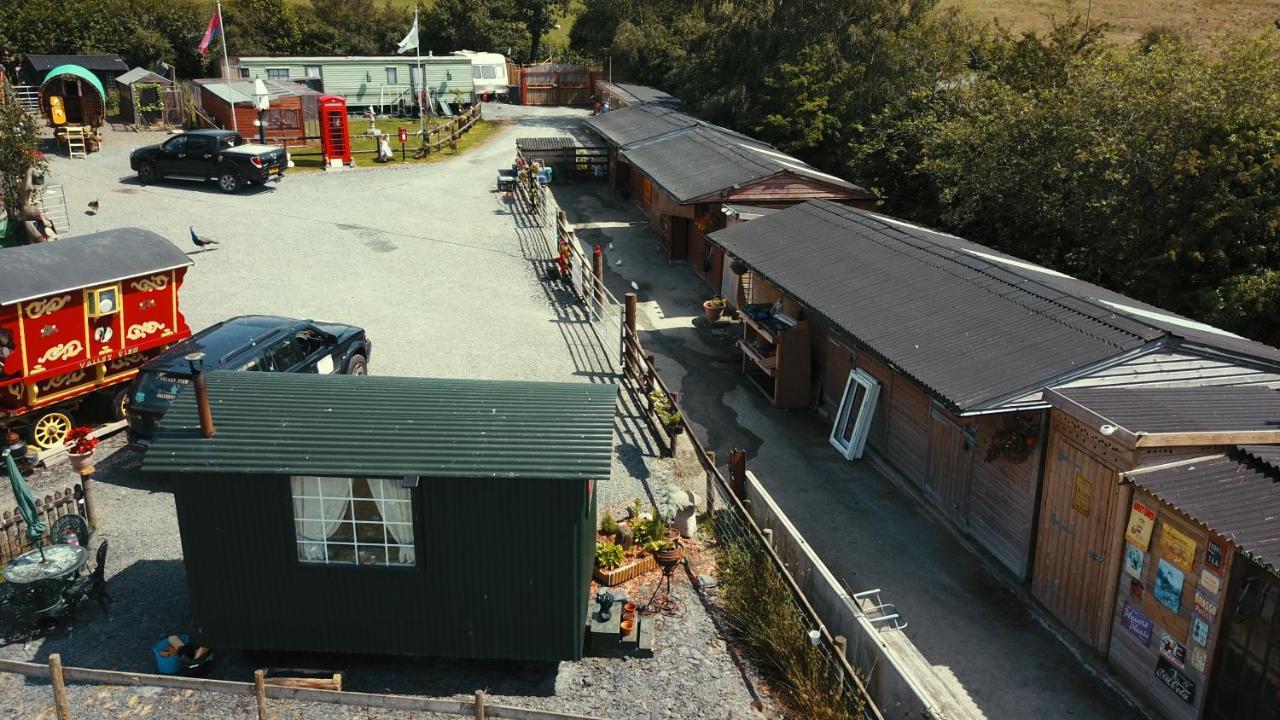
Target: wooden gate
x=1081, y=520
x=556, y=84
x=950, y=465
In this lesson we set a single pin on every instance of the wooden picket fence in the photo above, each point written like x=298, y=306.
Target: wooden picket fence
x=13, y=529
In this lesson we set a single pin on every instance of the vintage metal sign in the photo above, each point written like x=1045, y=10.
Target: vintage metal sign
x=1213, y=555
x=1205, y=606
x=1082, y=495
x=1172, y=649
x=1199, y=659
x=1168, y=585
x=1134, y=559
x=1199, y=631
x=1137, y=624
x=1210, y=582
x=1180, y=684
x=1141, y=521
x=1178, y=547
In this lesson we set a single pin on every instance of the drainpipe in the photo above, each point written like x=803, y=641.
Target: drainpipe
x=196, y=359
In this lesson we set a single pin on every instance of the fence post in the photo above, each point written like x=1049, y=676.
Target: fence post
x=711, y=483
x=597, y=266
x=738, y=473
x=60, y=705
x=260, y=692
x=629, y=328
x=91, y=512
x=480, y=705
x=768, y=536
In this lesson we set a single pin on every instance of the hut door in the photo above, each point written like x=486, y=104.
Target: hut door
x=950, y=456
x=1246, y=677
x=1074, y=539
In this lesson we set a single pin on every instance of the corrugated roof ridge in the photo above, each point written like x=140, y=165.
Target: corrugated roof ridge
x=973, y=263
x=1247, y=455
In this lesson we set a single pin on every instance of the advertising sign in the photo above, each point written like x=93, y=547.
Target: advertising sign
x=1141, y=521
x=1178, y=547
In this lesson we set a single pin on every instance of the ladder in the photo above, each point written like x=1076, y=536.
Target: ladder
x=75, y=142
x=52, y=202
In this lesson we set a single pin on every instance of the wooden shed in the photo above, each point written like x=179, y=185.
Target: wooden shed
x=146, y=98
x=935, y=352
x=406, y=516
x=292, y=116
x=106, y=67
x=680, y=170
x=1158, y=540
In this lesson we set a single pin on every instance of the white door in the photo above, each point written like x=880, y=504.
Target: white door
x=853, y=420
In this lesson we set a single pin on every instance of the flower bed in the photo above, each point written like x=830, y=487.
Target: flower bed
x=636, y=567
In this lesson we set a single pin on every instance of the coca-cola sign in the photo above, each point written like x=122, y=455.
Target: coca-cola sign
x=1180, y=684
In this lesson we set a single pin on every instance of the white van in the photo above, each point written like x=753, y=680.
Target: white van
x=489, y=73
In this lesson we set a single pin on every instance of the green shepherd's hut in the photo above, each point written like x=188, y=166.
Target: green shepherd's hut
x=408, y=516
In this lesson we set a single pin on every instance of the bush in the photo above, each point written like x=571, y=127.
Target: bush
x=608, y=525
x=609, y=555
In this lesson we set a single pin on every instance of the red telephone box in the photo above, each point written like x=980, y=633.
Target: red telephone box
x=335, y=142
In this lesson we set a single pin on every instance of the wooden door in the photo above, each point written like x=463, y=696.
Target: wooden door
x=947, y=478
x=1074, y=542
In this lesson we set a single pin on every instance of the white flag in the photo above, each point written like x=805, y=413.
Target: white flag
x=410, y=41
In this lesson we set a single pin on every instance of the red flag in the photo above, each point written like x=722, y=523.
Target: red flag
x=213, y=31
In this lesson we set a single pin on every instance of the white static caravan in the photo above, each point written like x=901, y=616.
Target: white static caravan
x=488, y=72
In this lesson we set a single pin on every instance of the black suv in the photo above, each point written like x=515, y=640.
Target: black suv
x=250, y=342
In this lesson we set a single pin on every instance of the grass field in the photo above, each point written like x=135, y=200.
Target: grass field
x=364, y=147
x=1130, y=18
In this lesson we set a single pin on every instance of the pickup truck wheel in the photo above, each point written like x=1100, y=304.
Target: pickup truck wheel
x=357, y=365
x=229, y=181
x=50, y=429
x=147, y=173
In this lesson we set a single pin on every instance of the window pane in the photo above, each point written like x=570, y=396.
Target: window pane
x=345, y=521
x=489, y=72
x=341, y=553
x=373, y=555
x=401, y=555
x=371, y=532
x=311, y=552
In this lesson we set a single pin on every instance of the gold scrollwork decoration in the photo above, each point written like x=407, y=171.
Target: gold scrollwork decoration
x=15, y=390
x=62, y=351
x=44, y=306
x=63, y=380
x=155, y=282
x=141, y=330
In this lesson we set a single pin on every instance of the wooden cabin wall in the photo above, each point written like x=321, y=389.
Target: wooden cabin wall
x=1135, y=607
x=468, y=596
x=1002, y=503
x=907, y=446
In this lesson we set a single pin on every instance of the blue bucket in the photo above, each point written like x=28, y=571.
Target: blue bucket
x=167, y=665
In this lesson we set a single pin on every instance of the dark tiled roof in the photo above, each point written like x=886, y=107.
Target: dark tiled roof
x=344, y=425
x=97, y=63
x=975, y=326
x=638, y=94
x=640, y=122
x=698, y=161
x=71, y=263
x=1230, y=495
x=574, y=139
x=1183, y=409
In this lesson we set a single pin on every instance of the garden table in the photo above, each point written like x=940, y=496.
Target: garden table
x=58, y=562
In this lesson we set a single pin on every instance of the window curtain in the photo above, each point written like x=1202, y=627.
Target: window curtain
x=383, y=491
x=315, y=519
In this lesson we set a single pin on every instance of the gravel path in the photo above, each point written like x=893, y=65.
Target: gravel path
x=435, y=266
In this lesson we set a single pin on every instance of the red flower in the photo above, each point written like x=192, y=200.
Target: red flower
x=79, y=441
x=1031, y=441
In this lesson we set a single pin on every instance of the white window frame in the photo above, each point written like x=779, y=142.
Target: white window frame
x=277, y=75
x=306, y=70
x=393, y=75
x=852, y=450
x=244, y=73
x=388, y=546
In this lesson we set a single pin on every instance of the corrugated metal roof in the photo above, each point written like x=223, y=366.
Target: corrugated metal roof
x=100, y=63
x=971, y=324
x=31, y=271
x=241, y=91
x=1231, y=496
x=1182, y=409
x=639, y=122
x=1266, y=454
x=695, y=162
x=141, y=75
x=571, y=141
x=342, y=425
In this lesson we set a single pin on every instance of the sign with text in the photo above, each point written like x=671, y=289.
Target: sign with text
x=1210, y=582
x=1172, y=649
x=1178, y=547
x=1142, y=520
x=1213, y=555
x=1180, y=684
x=1082, y=495
x=1137, y=624
x=1205, y=606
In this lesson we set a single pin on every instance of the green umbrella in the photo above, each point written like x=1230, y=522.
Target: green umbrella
x=26, y=502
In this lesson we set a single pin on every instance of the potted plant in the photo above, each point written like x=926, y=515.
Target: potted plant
x=80, y=448
x=714, y=308
x=609, y=556
x=666, y=412
x=666, y=551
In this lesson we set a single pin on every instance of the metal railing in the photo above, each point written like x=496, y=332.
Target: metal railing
x=28, y=97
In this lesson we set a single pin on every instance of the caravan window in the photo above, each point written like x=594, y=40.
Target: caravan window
x=277, y=73
x=489, y=72
x=353, y=521
x=475, y=72
x=391, y=76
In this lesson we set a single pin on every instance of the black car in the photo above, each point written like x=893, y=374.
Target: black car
x=250, y=342
x=220, y=155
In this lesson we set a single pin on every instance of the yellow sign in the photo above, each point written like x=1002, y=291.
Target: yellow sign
x=1177, y=547
x=58, y=114
x=1082, y=495
x=1141, y=521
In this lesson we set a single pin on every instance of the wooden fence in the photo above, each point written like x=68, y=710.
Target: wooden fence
x=478, y=707
x=13, y=529
x=557, y=84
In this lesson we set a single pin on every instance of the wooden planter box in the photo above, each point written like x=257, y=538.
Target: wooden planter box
x=624, y=573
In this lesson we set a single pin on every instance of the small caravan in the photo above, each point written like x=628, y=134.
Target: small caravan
x=488, y=72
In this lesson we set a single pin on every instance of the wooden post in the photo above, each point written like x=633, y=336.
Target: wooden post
x=629, y=325
x=738, y=473
x=91, y=512
x=842, y=645
x=60, y=705
x=597, y=266
x=768, y=535
x=711, y=482
x=260, y=691
x=480, y=705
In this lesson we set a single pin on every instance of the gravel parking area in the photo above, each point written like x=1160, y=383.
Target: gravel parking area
x=429, y=261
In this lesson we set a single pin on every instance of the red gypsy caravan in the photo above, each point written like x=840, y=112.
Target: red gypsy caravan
x=77, y=318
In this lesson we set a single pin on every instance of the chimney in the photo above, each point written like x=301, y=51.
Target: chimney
x=202, y=394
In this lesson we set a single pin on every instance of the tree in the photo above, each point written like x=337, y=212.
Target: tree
x=538, y=16
x=19, y=158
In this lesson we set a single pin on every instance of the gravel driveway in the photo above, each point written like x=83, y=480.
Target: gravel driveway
x=429, y=261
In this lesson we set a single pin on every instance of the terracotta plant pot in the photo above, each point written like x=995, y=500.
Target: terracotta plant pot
x=629, y=608
x=626, y=626
x=666, y=558
x=80, y=461
x=713, y=311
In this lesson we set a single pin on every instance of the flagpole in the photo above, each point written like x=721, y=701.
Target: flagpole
x=226, y=65
x=422, y=78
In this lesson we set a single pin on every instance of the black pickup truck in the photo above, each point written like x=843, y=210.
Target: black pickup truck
x=220, y=155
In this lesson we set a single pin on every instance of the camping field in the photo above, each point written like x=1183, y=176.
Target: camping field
x=1129, y=19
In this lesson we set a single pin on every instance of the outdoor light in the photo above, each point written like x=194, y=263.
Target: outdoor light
x=815, y=637
x=1107, y=429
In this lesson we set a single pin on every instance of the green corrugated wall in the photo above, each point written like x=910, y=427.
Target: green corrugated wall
x=364, y=82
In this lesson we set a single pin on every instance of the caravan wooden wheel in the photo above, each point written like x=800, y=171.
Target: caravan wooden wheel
x=50, y=429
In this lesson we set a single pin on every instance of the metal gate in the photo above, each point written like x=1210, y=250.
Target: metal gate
x=52, y=202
